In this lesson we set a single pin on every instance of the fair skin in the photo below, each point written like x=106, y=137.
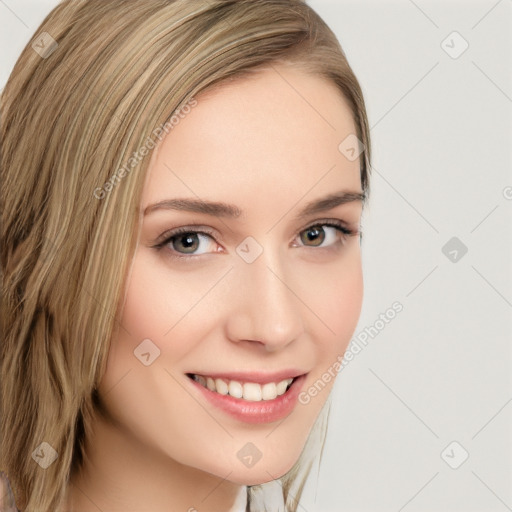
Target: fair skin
x=259, y=145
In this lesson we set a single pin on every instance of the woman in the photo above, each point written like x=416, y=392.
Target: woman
x=182, y=191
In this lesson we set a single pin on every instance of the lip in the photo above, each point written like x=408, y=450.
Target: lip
x=264, y=411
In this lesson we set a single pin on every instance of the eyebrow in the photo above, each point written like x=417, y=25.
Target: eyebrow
x=220, y=209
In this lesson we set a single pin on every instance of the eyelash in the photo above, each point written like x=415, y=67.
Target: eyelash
x=169, y=236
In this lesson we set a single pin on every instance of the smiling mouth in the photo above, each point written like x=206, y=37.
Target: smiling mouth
x=250, y=391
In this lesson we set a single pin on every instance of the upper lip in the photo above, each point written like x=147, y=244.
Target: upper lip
x=258, y=377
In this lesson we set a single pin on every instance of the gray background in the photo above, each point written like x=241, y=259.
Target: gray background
x=441, y=370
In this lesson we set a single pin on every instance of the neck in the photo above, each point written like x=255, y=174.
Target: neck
x=120, y=473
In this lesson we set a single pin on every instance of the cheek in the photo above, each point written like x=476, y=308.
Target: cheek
x=338, y=300
x=154, y=300
x=348, y=300
x=158, y=305
x=151, y=308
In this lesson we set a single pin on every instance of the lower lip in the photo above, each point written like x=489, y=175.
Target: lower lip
x=264, y=411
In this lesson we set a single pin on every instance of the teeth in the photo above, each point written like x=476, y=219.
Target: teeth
x=250, y=391
x=210, y=383
x=221, y=386
x=200, y=379
x=235, y=389
x=269, y=391
x=281, y=387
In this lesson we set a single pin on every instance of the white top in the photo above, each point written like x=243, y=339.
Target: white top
x=274, y=498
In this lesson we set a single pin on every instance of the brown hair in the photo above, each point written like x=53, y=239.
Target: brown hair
x=95, y=81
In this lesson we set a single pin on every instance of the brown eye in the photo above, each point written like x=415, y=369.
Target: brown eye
x=315, y=234
x=325, y=234
x=187, y=241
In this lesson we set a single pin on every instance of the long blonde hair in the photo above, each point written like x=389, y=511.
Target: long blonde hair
x=94, y=82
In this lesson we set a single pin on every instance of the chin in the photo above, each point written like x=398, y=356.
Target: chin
x=261, y=473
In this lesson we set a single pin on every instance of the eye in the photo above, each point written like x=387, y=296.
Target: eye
x=186, y=241
x=316, y=234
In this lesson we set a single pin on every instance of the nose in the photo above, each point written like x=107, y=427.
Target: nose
x=265, y=309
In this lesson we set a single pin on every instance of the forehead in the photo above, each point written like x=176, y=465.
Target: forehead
x=257, y=141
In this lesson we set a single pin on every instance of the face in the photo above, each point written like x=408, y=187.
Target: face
x=251, y=282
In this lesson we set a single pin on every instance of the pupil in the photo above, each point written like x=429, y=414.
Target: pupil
x=189, y=241
x=316, y=232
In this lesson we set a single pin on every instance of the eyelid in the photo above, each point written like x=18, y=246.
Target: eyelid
x=165, y=237
x=328, y=221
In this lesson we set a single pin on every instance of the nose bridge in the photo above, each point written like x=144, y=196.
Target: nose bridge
x=269, y=311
